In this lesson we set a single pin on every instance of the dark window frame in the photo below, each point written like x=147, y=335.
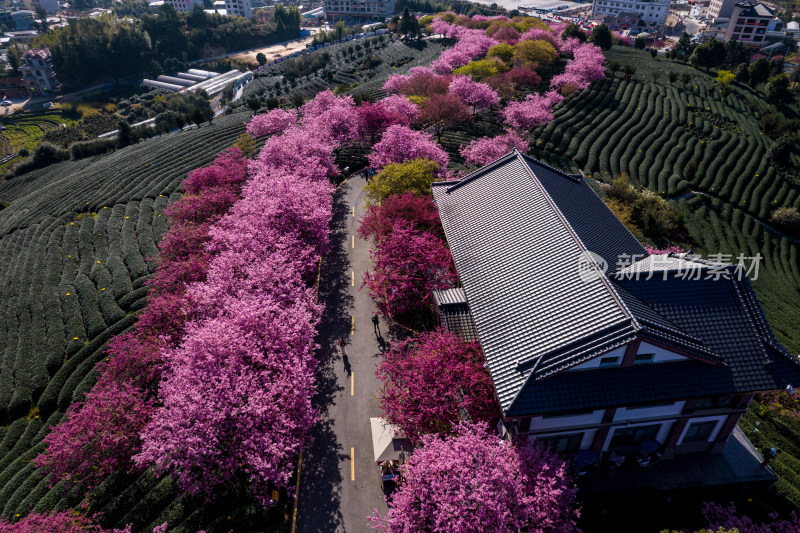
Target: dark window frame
x=702, y=431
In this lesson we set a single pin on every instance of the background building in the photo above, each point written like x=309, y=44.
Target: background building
x=360, y=10
x=720, y=8
x=240, y=8
x=653, y=12
x=51, y=6
x=38, y=72
x=749, y=23
x=183, y=5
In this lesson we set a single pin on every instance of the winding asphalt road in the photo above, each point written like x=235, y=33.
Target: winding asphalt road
x=339, y=484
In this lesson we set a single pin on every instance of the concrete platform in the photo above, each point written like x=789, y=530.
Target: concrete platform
x=738, y=464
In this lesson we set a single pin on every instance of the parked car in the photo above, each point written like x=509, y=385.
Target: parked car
x=6, y=103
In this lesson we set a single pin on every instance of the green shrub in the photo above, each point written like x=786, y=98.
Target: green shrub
x=415, y=176
x=91, y=148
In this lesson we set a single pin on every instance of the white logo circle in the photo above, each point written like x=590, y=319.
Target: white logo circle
x=591, y=266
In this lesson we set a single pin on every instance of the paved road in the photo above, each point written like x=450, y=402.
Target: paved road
x=339, y=483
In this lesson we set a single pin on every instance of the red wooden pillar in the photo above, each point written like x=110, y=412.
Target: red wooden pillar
x=632, y=349
x=600, y=438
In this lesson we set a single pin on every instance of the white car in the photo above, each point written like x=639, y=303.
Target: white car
x=6, y=103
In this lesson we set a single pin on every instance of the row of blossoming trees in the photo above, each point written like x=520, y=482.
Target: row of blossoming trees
x=213, y=385
x=435, y=386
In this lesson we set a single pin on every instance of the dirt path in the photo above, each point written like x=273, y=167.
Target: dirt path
x=273, y=52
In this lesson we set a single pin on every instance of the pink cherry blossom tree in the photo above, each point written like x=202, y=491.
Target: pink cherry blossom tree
x=486, y=149
x=585, y=68
x=429, y=381
x=56, y=522
x=330, y=118
x=406, y=266
x=538, y=34
x=476, y=482
x=674, y=249
x=375, y=118
x=100, y=435
x=477, y=95
x=275, y=121
x=420, y=81
x=420, y=211
x=531, y=112
x=508, y=83
x=235, y=393
x=507, y=34
x=400, y=143
x=471, y=44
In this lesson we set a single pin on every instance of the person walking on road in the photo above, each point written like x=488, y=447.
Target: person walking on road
x=342, y=343
x=376, y=325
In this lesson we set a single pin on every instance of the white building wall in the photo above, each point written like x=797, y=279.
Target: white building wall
x=586, y=440
x=183, y=5
x=240, y=8
x=540, y=423
x=721, y=8
x=654, y=12
x=595, y=361
x=661, y=355
x=624, y=413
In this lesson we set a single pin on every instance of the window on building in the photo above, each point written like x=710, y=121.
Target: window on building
x=699, y=431
x=738, y=29
x=625, y=436
x=748, y=30
x=714, y=402
x=758, y=38
x=562, y=443
x=644, y=358
x=609, y=361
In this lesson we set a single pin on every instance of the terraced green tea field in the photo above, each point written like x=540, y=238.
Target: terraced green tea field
x=77, y=242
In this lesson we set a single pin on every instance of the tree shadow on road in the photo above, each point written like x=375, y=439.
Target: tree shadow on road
x=320, y=479
x=319, y=502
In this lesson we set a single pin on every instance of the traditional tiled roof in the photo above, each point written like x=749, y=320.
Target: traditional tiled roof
x=455, y=314
x=518, y=230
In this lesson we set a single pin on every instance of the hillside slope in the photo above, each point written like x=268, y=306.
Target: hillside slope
x=76, y=246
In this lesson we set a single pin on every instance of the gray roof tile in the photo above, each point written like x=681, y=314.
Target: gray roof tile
x=517, y=229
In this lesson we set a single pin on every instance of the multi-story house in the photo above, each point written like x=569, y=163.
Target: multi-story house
x=240, y=8
x=51, y=6
x=652, y=12
x=749, y=22
x=38, y=72
x=592, y=343
x=720, y=8
x=358, y=9
x=183, y=5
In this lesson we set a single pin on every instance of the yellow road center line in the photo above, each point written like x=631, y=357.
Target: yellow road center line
x=353, y=281
x=352, y=324
x=354, y=241
x=352, y=464
x=352, y=383
x=354, y=210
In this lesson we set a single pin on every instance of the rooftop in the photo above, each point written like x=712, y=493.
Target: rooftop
x=754, y=9
x=550, y=277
